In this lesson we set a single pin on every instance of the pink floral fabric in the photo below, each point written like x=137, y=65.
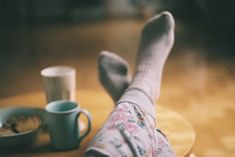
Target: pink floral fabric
x=129, y=132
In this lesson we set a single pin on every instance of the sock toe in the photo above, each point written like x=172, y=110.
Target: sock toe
x=160, y=24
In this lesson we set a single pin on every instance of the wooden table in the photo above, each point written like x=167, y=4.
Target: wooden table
x=178, y=130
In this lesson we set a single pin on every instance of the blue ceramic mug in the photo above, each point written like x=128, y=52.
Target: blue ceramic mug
x=63, y=126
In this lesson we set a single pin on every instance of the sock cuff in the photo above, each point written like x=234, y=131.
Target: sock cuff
x=139, y=98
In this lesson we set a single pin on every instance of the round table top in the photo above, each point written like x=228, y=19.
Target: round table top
x=178, y=130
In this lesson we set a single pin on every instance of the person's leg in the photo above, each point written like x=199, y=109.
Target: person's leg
x=108, y=71
x=130, y=129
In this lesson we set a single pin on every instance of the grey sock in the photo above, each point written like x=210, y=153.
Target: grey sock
x=113, y=74
x=157, y=38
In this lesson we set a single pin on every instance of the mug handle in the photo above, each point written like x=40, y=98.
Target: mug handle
x=87, y=114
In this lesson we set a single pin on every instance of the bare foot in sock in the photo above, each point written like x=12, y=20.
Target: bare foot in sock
x=156, y=42
x=157, y=39
x=113, y=74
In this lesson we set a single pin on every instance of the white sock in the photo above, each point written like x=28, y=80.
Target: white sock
x=157, y=38
x=113, y=74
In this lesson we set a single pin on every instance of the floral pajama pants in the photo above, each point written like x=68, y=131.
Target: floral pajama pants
x=129, y=132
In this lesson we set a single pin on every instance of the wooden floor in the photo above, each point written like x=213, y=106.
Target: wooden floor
x=197, y=82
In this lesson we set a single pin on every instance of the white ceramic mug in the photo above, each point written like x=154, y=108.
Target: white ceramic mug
x=59, y=83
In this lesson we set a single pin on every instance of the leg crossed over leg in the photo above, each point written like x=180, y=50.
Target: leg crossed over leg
x=130, y=129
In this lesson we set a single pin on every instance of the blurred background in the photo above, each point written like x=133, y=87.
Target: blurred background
x=199, y=76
